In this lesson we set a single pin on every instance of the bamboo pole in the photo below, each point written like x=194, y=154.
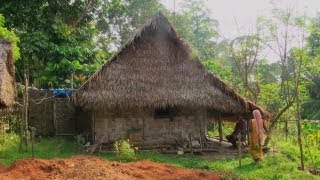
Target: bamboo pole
x=248, y=130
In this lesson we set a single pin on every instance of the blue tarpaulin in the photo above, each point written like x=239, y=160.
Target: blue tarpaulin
x=62, y=92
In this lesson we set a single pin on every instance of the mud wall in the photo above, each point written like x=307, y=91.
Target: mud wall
x=142, y=125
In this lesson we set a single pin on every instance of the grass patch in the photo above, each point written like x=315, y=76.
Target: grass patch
x=47, y=148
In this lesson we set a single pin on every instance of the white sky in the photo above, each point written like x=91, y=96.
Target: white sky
x=246, y=11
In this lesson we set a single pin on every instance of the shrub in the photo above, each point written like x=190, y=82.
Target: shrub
x=124, y=150
x=80, y=140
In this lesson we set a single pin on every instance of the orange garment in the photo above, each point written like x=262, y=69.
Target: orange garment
x=258, y=118
x=255, y=145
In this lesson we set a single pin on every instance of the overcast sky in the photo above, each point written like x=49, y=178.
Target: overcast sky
x=246, y=11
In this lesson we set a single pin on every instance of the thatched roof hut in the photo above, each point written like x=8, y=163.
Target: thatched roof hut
x=7, y=85
x=156, y=68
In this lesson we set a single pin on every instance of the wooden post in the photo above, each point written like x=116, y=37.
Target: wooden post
x=239, y=148
x=32, y=140
x=190, y=143
x=220, y=127
x=92, y=127
x=55, y=117
x=200, y=129
x=143, y=127
x=248, y=130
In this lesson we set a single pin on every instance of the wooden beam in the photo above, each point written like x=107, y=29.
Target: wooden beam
x=248, y=129
x=55, y=125
x=93, y=126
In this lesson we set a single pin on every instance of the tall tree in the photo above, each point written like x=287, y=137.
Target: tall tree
x=278, y=35
x=196, y=26
x=244, y=52
x=56, y=39
x=120, y=18
x=312, y=76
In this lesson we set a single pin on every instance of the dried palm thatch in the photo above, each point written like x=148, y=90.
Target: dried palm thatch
x=156, y=69
x=7, y=86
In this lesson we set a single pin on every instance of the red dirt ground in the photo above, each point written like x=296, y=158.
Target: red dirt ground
x=88, y=167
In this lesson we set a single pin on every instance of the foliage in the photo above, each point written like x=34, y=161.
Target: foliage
x=124, y=150
x=11, y=36
x=227, y=128
x=195, y=25
x=56, y=40
x=217, y=67
x=80, y=140
x=121, y=18
x=14, y=121
x=244, y=53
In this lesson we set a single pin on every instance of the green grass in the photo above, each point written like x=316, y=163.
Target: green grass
x=47, y=148
x=275, y=166
x=281, y=164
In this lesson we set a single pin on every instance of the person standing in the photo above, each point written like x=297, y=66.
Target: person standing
x=256, y=139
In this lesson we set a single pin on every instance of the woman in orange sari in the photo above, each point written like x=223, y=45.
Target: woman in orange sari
x=256, y=136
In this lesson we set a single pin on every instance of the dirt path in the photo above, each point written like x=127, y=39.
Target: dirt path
x=88, y=167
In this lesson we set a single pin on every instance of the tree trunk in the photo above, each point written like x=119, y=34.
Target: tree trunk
x=286, y=129
x=298, y=117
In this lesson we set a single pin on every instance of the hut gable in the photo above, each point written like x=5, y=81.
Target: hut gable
x=156, y=69
x=7, y=90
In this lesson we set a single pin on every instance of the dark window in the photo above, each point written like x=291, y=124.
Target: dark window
x=162, y=113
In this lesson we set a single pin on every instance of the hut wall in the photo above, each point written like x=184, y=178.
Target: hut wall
x=141, y=125
x=50, y=115
x=64, y=113
x=41, y=112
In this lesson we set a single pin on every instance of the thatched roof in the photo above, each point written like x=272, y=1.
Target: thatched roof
x=157, y=69
x=7, y=90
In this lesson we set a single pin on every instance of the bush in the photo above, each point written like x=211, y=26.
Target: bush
x=124, y=150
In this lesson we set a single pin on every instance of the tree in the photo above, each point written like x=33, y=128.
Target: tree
x=277, y=36
x=244, y=52
x=311, y=107
x=292, y=61
x=312, y=76
x=56, y=40
x=196, y=26
x=120, y=18
x=11, y=36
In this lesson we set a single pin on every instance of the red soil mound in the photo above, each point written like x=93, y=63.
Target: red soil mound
x=87, y=167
